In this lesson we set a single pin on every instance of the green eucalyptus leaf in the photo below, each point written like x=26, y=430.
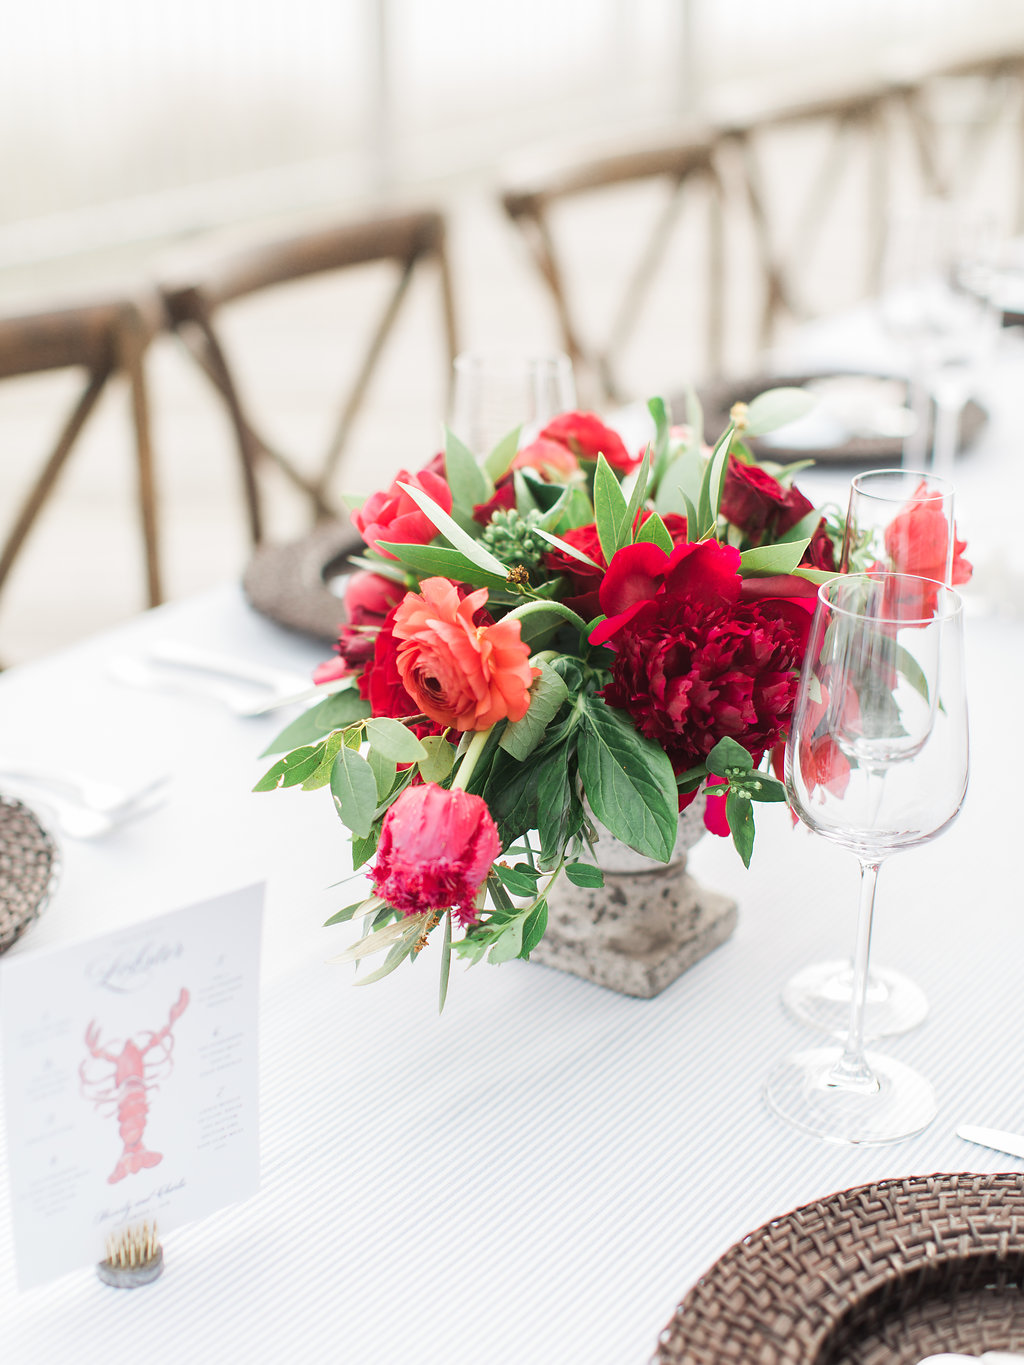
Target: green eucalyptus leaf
x=509, y=943
x=439, y=760
x=712, y=484
x=518, y=883
x=776, y=408
x=355, y=792
x=655, y=532
x=333, y=713
x=391, y=739
x=584, y=874
x=728, y=755
x=636, y=497
x=548, y=692
x=772, y=559
x=468, y=482
x=533, y=928
x=441, y=561
x=803, y=529
x=628, y=780
x=446, y=961
x=499, y=461
x=610, y=512
x=384, y=772
x=321, y=775
x=364, y=848
x=741, y=825
x=363, y=907
x=475, y=552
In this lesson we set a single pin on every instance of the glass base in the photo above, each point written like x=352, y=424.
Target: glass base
x=802, y=1091
x=819, y=996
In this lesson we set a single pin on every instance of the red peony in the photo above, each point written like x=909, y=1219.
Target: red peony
x=392, y=515
x=585, y=579
x=586, y=436
x=694, y=660
x=435, y=851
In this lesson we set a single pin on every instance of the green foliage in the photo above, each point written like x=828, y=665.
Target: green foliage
x=776, y=408
x=333, y=713
x=548, y=693
x=628, y=780
x=354, y=789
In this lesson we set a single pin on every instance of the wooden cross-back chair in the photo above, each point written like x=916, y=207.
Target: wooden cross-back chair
x=408, y=240
x=106, y=339
x=861, y=116
x=682, y=165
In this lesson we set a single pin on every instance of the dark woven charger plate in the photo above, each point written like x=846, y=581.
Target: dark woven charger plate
x=290, y=583
x=29, y=868
x=882, y=1274
x=864, y=451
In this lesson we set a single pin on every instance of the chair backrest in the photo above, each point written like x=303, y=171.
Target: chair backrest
x=196, y=298
x=685, y=169
x=104, y=338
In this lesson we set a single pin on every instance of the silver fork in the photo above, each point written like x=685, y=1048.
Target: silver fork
x=101, y=797
x=75, y=817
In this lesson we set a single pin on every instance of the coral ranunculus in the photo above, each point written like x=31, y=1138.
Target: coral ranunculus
x=392, y=515
x=694, y=660
x=458, y=673
x=435, y=851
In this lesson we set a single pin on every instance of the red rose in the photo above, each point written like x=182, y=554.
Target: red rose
x=502, y=500
x=758, y=504
x=694, y=661
x=381, y=683
x=436, y=849
x=586, y=436
x=368, y=599
x=820, y=553
x=393, y=515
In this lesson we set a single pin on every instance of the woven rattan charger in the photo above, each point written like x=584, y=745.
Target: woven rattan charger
x=29, y=868
x=882, y=1274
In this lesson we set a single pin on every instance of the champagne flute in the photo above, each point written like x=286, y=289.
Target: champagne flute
x=898, y=521
x=498, y=390
x=877, y=762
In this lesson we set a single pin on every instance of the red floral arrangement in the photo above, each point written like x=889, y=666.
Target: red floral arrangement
x=558, y=632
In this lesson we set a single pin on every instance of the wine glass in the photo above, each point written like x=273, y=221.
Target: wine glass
x=498, y=390
x=877, y=762
x=898, y=521
x=937, y=304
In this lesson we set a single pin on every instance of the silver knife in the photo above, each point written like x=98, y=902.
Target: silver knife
x=1011, y=1143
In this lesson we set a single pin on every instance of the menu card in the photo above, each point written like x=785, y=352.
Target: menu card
x=131, y=1080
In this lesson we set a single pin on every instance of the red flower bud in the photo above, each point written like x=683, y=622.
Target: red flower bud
x=436, y=848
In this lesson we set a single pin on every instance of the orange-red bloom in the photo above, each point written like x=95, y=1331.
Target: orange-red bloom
x=458, y=673
x=917, y=541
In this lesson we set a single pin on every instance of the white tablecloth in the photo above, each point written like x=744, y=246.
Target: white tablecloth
x=540, y=1174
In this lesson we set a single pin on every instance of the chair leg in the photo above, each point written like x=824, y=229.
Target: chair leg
x=43, y=486
x=132, y=345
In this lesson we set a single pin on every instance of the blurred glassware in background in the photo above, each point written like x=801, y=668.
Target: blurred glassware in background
x=936, y=304
x=498, y=390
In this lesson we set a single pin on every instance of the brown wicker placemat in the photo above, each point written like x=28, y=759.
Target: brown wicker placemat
x=288, y=582
x=882, y=1274
x=29, y=868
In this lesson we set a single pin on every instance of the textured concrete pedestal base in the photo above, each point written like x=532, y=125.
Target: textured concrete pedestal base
x=638, y=932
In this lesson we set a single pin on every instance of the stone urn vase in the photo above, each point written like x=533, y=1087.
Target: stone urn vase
x=645, y=926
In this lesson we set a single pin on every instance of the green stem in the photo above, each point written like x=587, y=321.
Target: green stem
x=559, y=609
x=470, y=758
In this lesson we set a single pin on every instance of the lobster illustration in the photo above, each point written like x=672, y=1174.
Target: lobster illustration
x=140, y=1064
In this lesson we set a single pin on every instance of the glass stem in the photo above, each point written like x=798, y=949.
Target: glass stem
x=947, y=432
x=851, y=1071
